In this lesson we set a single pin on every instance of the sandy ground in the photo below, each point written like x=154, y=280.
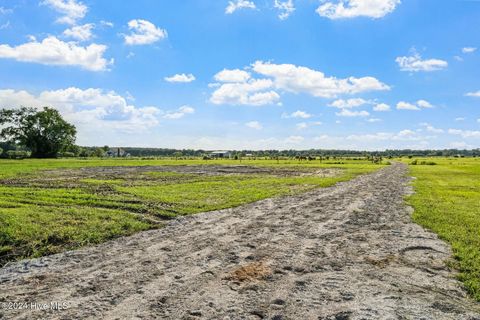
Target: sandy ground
x=344, y=252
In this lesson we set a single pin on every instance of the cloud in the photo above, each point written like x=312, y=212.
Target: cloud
x=143, y=32
x=5, y=25
x=254, y=92
x=469, y=50
x=402, y=105
x=91, y=109
x=465, y=133
x=286, y=8
x=238, y=87
x=106, y=23
x=424, y=104
x=298, y=79
x=381, y=107
x=235, y=75
x=81, y=33
x=350, y=103
x=239, y=4
x=473, y=94
x=460, y=145
x=432, y=129
x=342, y=9
x=415, y=63
x=460, y=119
x=294, y=139
x=373, y=120
x=403, y=135
x=298, y=114
x=254, y=125
x=181, y=78
x=52, y=51
x=349, y=113
x=72, y=10
x=5, y=10
x=179, y=113
x=302, y=125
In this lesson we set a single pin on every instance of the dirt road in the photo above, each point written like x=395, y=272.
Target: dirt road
x=344, y=252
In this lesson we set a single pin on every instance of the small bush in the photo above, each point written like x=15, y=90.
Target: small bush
x=14, y=154
x=66, y=155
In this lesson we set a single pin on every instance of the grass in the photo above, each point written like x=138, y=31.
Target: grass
x=447, y=201
x=44, y=212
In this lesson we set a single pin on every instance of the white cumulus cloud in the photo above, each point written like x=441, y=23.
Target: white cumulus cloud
x=235, y=75
x=381, y=107
x=286, y=8
x=71, y=10
x=255, y=92
x=90, y=109
x=81, y=33
x=179, y=113
x=300, y=114
x=465, y=133
x=424, y=104
x=349, y=113
x=298, y=79
x=143, y=32
x=402, y=105
x=469, y=50
x=473, y=94
x=239, y=87
x=239, y=4
x=349, y=103
x=428, y=127
x=341, y=9
x=52, y=51
x=181, y=78
x=415, y=63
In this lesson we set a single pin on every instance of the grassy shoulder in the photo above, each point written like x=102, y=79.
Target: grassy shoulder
x=447, y=201
x=42, y=213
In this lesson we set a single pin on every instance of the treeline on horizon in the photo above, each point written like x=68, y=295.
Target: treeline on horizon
x=78, y=151
x=163, y=152
x=167, y=152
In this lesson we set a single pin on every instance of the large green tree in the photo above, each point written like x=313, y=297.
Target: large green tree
x=45, y=133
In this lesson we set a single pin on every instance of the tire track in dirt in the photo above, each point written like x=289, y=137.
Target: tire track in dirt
x=345, y=252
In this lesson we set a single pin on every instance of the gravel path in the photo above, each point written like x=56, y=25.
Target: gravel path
x=345, y=252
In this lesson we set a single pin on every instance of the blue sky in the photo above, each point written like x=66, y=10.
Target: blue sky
x=249, y=74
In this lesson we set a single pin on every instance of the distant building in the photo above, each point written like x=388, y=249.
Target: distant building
x=117, y=153
x=220, y=154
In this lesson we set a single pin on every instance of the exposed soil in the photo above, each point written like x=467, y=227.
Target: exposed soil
x=70, y=178
x=349, y=251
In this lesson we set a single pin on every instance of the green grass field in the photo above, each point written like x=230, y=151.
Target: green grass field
x=447, y=201
x=48, y=206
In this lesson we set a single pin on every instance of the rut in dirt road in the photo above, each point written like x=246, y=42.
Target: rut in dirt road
x=349, y=251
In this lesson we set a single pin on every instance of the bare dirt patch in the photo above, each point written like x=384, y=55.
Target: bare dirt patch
x=349, y=251
x=70, y=178
x=250, y=272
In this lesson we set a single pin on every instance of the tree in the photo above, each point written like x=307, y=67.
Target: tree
x=177, y=155
x=44, y=133
x=98, y=152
